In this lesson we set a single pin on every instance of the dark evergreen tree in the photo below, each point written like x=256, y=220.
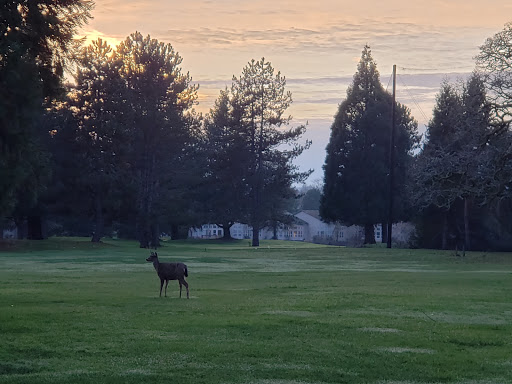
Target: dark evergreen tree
x=35, y=46
x=311, y=199
x=159, y=97
x=251, y=171
x=262, y=100
x=451, y=173
x=357, y=166
x=225, y=187
x=102, y=140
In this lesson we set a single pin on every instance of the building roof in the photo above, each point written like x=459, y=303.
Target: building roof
x=313, y=213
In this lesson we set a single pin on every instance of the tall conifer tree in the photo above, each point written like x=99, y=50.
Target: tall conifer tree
x=36, y=45
x=356, y=167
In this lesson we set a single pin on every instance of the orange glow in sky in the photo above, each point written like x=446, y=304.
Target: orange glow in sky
x=315, y=44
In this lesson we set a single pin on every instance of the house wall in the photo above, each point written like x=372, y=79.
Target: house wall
x=316, y=227
x=206, y=231
x=343, y=234
x=311, y=229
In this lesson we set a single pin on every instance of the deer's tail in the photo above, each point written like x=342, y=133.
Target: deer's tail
x=186, y=271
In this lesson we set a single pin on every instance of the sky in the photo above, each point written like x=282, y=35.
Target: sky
x=316, y=45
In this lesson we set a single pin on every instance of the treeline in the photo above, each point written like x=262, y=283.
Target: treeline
x=121, y=149
x=455, y=185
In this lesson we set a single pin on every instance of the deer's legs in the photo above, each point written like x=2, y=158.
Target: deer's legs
x=179, y=281
x=166, y=284
x=161, y=285
x=185, y=284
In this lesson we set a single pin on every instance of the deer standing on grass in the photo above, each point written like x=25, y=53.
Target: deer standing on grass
x=169, y=271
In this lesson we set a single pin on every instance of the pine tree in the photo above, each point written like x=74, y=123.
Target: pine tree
x=160, y=96
x=101, y=137
x=36, y=46
x=252, y=164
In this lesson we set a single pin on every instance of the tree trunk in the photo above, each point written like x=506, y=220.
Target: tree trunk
x=155, y=236
x=384, y=232
x=175, y=232
x=255, y=218
x=467, y=244
x=275, y=228
x=444, y=241
x=34, y=228
x=178, y=232
x=255, y=235
x=146, y=196
x=369, y=234
x=98, y=215
x=21, y=226
x=143, y=233
x=226, y=231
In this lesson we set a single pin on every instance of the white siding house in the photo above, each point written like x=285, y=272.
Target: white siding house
x=307, y=226
x=206, y=231
x=293, y=232
x=316, y=228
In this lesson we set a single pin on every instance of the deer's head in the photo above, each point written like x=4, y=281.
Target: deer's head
x=152, y=257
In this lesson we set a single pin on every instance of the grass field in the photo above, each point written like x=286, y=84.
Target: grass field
x=286, y=313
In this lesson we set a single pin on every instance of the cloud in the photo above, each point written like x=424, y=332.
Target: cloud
x=316, y=45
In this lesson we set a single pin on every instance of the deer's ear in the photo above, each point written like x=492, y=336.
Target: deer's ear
x=156, y=254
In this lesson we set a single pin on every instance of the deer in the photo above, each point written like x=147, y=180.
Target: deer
x=169, y=271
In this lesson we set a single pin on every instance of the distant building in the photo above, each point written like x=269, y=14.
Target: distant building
x=293, y=232
x=307, y=226
x=8, y=230
x=206, y=231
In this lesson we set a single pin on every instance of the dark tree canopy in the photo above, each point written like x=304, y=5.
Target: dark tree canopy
x=101, y=133
x=159, y=97
x=36, y=45
x=251, y=171
x=452, y=172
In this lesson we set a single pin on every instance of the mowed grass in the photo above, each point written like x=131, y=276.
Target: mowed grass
x=285, y=313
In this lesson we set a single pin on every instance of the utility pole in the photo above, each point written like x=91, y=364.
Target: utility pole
x=391, y=162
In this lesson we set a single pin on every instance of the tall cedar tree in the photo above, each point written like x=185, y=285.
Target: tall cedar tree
x=35, y=46
x=357, y=166
x=259, y=150
x=159, y=97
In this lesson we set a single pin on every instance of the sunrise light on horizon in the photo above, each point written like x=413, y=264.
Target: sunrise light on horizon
x=315, y=45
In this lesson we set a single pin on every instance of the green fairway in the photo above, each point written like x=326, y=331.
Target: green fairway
x=284, y=313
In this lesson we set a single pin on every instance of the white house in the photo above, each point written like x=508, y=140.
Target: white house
x=293, y=232
x=206, y=231
x=307, y=226
x=8, y=230
x=320, y=231
x=296, y=231
x=316, y=227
